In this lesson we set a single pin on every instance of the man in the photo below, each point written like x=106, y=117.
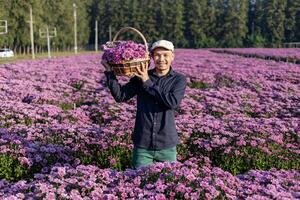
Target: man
x=159, y=92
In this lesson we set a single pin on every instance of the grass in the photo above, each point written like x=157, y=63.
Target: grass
x=19, y=57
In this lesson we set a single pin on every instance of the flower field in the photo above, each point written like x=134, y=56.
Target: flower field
x=63, y=136
x=279, y=54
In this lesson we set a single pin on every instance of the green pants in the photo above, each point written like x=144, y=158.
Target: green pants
x=143, y=157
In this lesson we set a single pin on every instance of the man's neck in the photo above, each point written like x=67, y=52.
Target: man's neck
x=161, y=73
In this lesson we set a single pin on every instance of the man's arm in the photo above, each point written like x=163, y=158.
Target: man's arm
x=120, y=93
x=171, y=98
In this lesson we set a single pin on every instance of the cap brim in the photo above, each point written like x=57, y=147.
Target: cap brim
x=161, y=47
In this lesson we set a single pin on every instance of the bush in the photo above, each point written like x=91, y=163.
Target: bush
x=11, y=169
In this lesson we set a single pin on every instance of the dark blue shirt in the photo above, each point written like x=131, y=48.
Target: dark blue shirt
x=157, y=98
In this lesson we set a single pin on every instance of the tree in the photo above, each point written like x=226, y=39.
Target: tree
x=170, y=21
x=292, y=21
x=6, y=40
x=272, y=17
x=235, y=23
x=200, y=19
x=187, y=23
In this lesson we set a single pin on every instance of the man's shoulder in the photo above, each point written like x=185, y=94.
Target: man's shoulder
x=179, y=75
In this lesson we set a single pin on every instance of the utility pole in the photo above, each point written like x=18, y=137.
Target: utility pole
x=96, y=35
x=110, y=33
x=48, y=42
x=3, y=25
x=31, y=34
x=75, y=28
x=253, y=2
x=48, y=34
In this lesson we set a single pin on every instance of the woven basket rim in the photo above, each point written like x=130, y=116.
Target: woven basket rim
x=130, y=61
x=126, y=67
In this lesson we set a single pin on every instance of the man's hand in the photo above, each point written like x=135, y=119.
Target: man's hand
x=143, y=72
x=106, y=65
x=130, y=75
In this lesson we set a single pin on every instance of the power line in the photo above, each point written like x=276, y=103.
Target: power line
x=3, y=24
x=46, y=33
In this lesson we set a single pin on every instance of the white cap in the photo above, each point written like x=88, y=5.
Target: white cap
x=164, y=44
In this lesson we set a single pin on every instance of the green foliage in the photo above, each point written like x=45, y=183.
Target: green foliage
x=78, y=85
x=255, y=40
x=104, y=158
x=234, y=27
x=19, y=118
x=188, y=23
x=28, y=121
x=199, y=85
x=247, y=158
x=97, y=118
x=292, y=21
x=119, y=158
x=271, y=17
x=66, y=106
x=58, y=14
x=222, y=80
x=201, y=32
x=254, y=158
x=247, y=109
x=11, y=169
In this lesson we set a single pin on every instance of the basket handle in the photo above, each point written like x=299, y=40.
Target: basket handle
x=134, y=30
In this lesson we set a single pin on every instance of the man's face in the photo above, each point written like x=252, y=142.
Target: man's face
x=162, y=58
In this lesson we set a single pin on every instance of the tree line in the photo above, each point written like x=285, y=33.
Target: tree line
x=188, y=23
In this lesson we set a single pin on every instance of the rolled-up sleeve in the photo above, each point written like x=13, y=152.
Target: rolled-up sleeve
x=121, y=93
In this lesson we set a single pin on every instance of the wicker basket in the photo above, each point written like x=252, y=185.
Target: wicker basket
x=127, y=67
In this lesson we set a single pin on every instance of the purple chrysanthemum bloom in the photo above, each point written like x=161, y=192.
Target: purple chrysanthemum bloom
x=123, y=50
x=126, y=55
x=136, y=55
